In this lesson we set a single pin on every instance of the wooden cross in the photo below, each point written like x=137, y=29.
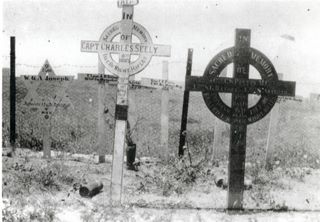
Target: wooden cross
x=123, y=68
x=239, y=115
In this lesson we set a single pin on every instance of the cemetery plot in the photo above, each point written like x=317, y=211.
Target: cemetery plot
x=41, y=189
x=293, y=183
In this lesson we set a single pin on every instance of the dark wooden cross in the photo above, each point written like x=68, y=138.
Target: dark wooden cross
x=239, y=115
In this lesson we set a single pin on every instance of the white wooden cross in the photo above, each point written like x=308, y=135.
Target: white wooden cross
x=123, y=68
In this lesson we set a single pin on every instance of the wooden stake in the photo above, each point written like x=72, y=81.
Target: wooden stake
x=12, y=94
x=273, y=122
x=184, y=117
x=101, y=123
x=165, y=113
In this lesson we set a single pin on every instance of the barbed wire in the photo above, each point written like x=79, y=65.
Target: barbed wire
x=57, y=66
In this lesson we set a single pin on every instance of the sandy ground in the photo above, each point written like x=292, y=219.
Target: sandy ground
x=203, y=201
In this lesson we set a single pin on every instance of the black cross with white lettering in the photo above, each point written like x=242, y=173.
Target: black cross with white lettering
x=239, y=115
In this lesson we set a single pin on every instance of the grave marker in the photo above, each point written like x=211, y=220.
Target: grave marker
x=46, y=105
x=159, y=83
x=239, y=115
x=98, y=77
x=123, y=69
x=165, y=113
x=273, y=122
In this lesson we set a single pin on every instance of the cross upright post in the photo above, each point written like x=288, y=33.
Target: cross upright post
x=121, y=108
x=238, y=128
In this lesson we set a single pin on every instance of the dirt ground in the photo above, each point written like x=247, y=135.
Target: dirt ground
x=35, y=189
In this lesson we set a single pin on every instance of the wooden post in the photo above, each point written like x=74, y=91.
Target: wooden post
x=184, y=117
x=47, y=137
x=165, y=113
x=238, y=128
x=12, y=94
x=218, y=129
x=101, y=123
x=273, y=122
x=121, y=113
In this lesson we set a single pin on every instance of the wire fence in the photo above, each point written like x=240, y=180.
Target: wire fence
x=74, y=128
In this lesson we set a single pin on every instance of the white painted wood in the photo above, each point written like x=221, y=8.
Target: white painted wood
x=122, y=99
x=165, y=114
x=273, y=122
x=132, y=48
x=46, y=69
x=47, y=106
x=117, y=162
x=122, y=3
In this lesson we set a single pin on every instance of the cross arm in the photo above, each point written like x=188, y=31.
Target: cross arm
x=231, y=85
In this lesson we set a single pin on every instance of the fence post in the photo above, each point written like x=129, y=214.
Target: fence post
x=165, y=113
x=12, y=94
x=101, y=122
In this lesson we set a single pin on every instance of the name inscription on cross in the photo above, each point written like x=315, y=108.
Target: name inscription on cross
x=123, y=68
x=239, y=115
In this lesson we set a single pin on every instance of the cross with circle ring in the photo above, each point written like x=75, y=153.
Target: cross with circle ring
x=108, y=48
x=239, y=115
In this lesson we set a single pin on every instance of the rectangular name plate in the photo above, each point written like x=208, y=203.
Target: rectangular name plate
x=121, y=112
x=97, y=77
x=47, y=78
x=132, y=48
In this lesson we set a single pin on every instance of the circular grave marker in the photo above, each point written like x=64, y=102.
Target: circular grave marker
x=145, y=49
x=107, y=46
x=267, y=72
